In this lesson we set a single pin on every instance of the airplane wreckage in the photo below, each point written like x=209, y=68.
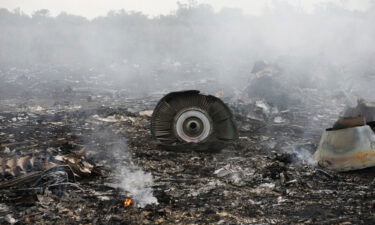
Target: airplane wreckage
x=350, y=143
x=191, y=121
x=221, y=160
x=188, y=120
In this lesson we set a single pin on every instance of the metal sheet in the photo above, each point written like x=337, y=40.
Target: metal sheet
x=347, y=149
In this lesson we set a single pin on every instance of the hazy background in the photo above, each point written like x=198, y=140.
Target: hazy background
x=94, y=8
x=164, y=45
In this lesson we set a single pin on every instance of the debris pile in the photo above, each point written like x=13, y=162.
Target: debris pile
x=81, y=161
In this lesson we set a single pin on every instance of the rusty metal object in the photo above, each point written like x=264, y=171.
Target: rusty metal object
x=348, y=122
x=347, y=149
x=188, y=120
x=350, y=144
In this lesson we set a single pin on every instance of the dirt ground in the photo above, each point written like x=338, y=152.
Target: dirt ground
x=265, y=177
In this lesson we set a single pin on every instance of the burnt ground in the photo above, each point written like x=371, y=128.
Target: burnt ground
x=263, y=182
x=266, y=177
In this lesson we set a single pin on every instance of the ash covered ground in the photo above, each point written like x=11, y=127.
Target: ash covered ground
x=76, y=95
x=266, y=177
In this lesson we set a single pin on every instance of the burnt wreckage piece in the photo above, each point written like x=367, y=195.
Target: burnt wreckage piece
x=350, y=143
x=188, y=120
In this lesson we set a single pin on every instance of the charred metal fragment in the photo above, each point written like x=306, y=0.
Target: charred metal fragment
x=350, y=143
x=188, y=120
x=29, y=170
x=347, y=149
x=348, y=122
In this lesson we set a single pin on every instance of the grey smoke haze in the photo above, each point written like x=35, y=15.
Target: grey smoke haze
x=332, y=47
x=127, y=174
x=131, y=177
x=95, y=8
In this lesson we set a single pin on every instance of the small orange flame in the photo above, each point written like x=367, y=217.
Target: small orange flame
x=127, y=202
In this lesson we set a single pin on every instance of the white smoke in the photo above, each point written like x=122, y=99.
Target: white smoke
x=137, y=183
x=131, y=177
x=303, y=156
